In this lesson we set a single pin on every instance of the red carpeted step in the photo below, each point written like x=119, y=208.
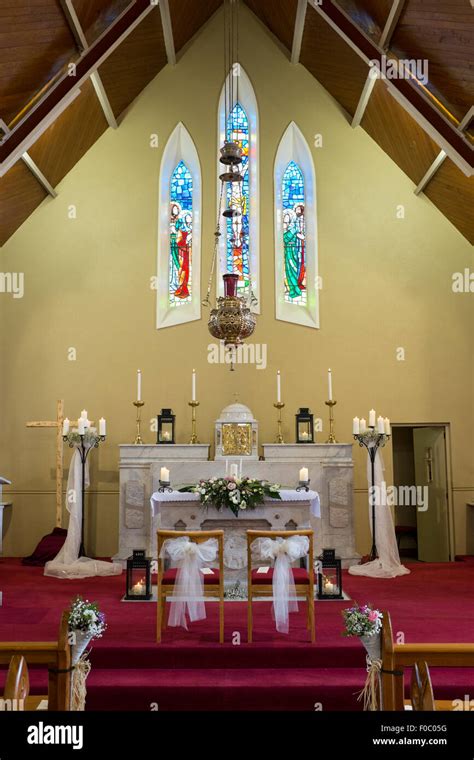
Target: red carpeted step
x=225, y=689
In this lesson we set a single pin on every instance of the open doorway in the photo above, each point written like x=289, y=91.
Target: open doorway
x=420, y=464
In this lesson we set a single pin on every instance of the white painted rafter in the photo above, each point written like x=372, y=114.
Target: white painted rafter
x=168, y=32
x=298, y=31
x=428, y=176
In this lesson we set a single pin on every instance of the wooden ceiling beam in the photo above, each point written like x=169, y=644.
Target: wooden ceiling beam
x=58, y=97
x=298, y=32
x=82, y=44
x=168, y=32
x=463, y=124
x=408, y=94
x=32, y=166
x=384, y=42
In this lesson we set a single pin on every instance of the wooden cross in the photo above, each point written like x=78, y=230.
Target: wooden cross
x=58, y=424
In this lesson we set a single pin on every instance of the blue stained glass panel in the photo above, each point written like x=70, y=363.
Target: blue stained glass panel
x=238, y=196
x=294, y=234
x=181, y=235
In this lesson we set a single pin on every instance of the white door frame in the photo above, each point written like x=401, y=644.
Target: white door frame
x=449, y=474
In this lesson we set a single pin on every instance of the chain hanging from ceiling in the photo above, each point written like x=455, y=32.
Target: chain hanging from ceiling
x=231, y=320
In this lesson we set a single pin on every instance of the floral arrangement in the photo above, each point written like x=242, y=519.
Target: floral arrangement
x=236, y=494
x=362, y=621
x=84, y=616
x=90, y=437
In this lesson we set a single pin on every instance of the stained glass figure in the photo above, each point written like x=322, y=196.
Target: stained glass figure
x=181, y=232
x=294, y=234
x=238, y=196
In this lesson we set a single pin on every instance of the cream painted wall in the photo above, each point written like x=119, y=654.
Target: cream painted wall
x=386, y=284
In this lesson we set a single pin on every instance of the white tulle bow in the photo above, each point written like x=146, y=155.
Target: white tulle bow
x=284, y=552
x=189, y=584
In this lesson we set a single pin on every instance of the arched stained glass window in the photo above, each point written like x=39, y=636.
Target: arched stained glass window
x=297, y=283
x=239, y=245
x=238, y=196
x=294, y=234
x=179, y=232
x=181, y=235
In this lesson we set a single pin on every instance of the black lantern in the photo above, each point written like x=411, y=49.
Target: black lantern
x=138, y=577
x=304, y=426
x=329, y=575
x=166, y=426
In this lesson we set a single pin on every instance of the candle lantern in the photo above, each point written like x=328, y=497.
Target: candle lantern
x=329, y=575
x=304, y=426
x=138, y=577
x=166, y=422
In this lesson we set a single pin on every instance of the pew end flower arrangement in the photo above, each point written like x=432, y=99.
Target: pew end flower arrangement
x=85, y=622
x=236, y=494
x=366, y=623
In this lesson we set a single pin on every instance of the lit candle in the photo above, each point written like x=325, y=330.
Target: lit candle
x=66, y=425
x=356, y=426
x=194, y=386
x=278, y=387
x=234, y=471
x=84, y=414
x=102, y=426
x=81, y=426
x=304, y=475
x=139, y=385
x=362, y=425
x=330, y=384
x=166, y=436
x=386, y=425
x=372, y=416
x=164, y=475
x=304, y=435
x=380, y=425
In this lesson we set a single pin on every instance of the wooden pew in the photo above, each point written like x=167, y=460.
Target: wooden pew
x=396, y=657
x=55, y=655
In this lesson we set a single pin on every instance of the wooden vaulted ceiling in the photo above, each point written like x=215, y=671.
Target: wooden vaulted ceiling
x=39, y=39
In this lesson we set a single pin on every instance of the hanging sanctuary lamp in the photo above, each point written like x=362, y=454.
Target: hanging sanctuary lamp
x=231, y=320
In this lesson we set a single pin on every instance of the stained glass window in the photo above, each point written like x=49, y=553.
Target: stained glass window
x=181, y=231
x=238, y=196
x=294, y=234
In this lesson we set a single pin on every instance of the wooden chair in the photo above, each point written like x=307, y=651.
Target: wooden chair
x=395, y=657
x=261, y=584
x=213, y=584
x=55, y=655
x=421, y=690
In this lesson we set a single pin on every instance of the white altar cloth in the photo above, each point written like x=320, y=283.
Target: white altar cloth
x=286, y=495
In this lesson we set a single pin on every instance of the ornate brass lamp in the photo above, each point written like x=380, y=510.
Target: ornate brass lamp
x=232, y=321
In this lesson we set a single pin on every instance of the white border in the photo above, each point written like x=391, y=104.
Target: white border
x=293, y=147
x=180, y=147
x=248, y=101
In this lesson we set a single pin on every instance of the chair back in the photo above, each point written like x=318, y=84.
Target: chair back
x=252, y=535
x=17, y=685
x=421, y=692
x=197, y=536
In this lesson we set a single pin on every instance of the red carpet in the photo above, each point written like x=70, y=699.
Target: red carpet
x=191, y=671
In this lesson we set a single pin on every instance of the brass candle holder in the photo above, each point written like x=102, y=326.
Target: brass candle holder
x=138, y=439
x=279, y=405
x=332, y=437
x=194, y=438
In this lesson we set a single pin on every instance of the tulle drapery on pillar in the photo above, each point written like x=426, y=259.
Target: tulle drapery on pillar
x=67, y=563
x=387, y=564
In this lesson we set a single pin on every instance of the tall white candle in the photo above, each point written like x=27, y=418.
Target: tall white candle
x=84, y=414
x=362, y=425
x=234, y=471
x=278, y=387
x=194, y=386
x=356, y=426
x=330, y=384
x=81, y=426
x=386, y=425
x=304, y=475
x=164, y=475
x=380, y=425
x=102, y=426
x=372, y=417
x=66, y=425
x=139, y=385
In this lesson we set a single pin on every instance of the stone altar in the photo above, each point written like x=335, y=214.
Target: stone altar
x=330, y=470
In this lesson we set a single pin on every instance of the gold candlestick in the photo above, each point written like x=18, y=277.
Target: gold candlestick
x=332, y=437
x=138, y=440
x=194, y=438
x=279, y=405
